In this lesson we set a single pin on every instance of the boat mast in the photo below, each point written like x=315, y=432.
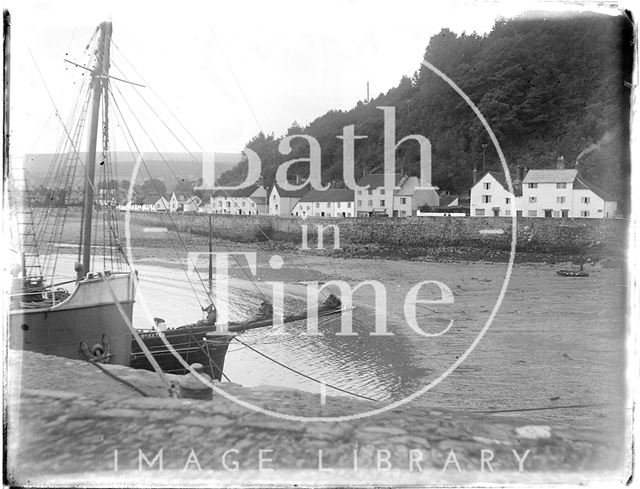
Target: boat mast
x=99, y=83
x=6, y=49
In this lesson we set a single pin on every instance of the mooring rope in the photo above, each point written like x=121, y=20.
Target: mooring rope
x=305, y=375
x=115, y=377
x=570, y=406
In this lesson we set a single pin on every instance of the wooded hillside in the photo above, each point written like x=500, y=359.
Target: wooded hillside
x=549, y=87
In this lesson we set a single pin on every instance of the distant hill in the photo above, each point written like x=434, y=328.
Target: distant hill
x=168, y=167
x=548, y=86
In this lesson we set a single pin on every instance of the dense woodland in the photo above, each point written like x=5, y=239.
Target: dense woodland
x=548, y=87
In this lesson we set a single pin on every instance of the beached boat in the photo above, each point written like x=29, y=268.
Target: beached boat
x=572, y=273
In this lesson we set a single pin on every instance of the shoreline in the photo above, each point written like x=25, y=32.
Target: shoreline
x=98, y=427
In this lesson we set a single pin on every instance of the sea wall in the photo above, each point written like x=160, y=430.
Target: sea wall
x=541, y=235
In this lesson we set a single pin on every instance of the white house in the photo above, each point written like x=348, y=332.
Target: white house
x=248, y=200
x=326, y=203
x=490, y=196
x=403, y=199
x=282, y=202
x=563, y=193
x=152, y=203
x=184, y=202
x=409, y=197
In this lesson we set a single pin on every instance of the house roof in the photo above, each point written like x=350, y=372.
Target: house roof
x=241, y=192
x=376, y=180
x=182, y=196
x=152, y=199
x=581, y=183
x=446, y=199
x=551, y=176
x=331, y=195
x=502, y=180
x=291, y=193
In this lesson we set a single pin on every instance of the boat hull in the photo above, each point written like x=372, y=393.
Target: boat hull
x=188, y=342
x=87, y=316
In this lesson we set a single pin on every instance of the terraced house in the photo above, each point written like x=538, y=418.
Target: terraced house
x=250, y=200
x=559, y=192
x=325, y=203
x=401, y=200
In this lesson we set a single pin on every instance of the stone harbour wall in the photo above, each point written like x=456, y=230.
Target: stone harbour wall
x=542, y=235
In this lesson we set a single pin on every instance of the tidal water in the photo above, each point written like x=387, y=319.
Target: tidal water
x=555, y=341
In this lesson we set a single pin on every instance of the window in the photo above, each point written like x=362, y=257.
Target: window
x=370, y=192
x=219, y=203
x=561, y=200
x=403, y=213
x=244, y=203
x=532, y=213
x=382, y=203
x=487, y=185
x=479, y=212
x=349, y=205
x=359, y=192
x=317, y=204
x=228, y=204
x=274, y=197
x=507, y=200
x=486, y=199
x=276, y=206
x=584, y=213
x=561, y=185
x=507, y=212
x=532, y=185
x=556, y=214
x=532, y=200
x=359, y=203
x=370, y=203
x=585, y=200
x=403, y=200
x=381, y=191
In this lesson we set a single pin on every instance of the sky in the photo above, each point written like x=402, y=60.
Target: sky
x=217, y=73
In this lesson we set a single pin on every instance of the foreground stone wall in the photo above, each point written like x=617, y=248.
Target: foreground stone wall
x=533, y=234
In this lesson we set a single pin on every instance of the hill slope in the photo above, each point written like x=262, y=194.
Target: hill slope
x=548, y=87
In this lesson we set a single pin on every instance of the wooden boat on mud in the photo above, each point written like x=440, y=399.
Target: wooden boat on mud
x=572, y=273
x=208, y=345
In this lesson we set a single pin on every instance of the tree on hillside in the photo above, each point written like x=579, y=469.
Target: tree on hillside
x=152, y=187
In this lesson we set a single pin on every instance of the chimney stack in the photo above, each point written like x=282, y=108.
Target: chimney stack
x=560, y=164
x=475, y=175
x=518, y=173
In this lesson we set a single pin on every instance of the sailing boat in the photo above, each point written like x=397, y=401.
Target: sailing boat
x=94, y=321
x=87, y=322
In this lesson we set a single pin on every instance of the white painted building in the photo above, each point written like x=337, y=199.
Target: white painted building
x=326, y=203
x=250, y=200
x=403, y=199
x=563, y=193
x=184, y=202
x=556, y=192
x=490, y=196
x=409, y=197
x=282, y=202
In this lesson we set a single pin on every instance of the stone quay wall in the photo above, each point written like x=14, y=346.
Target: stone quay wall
x=540, y=235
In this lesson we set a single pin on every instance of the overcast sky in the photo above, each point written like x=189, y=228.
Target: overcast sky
x=225, y=69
